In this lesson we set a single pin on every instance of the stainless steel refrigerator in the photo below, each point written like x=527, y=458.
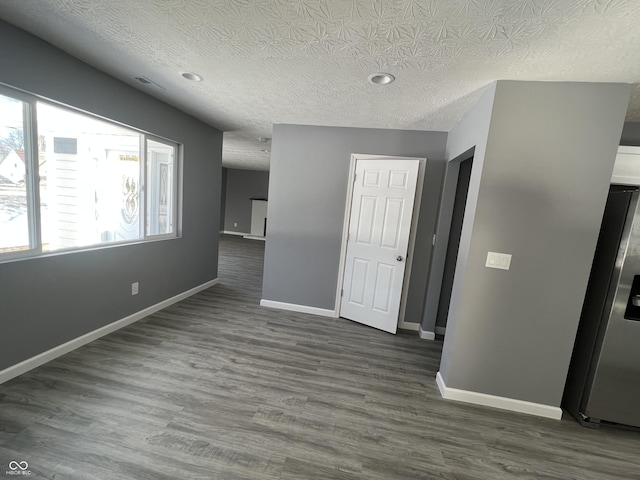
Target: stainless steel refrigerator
x=603, y=384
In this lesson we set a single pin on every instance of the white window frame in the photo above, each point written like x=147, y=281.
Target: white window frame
x=30, y=135
x=32, y=181
x=146, y=188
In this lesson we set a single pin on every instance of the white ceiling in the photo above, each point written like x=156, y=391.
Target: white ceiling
x=307, y=61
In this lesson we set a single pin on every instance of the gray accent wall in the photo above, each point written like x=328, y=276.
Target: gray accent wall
x=307, y=198
x=47, y=301
x=546, y=153
x=242, y=186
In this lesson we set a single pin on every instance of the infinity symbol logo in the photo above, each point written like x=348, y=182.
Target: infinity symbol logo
x=13, y=465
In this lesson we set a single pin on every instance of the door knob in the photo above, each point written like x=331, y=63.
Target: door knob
x=399, y=258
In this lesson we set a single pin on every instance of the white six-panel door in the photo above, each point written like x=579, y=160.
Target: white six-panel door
x=378, y=238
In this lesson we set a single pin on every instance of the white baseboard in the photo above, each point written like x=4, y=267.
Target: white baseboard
x=298, y=308
x=409, y=326
x=440, y=330
x=504, y=403
x=425, y=334
x=255, y=237
x=229, y=232
x=44, y=357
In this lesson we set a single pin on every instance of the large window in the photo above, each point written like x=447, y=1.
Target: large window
x=99, y=182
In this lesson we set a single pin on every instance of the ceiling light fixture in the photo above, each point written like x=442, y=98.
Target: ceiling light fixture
x=381, y=78
x=194, y=77
x=265, y=150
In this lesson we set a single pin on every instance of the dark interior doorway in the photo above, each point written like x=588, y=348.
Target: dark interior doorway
x=457, y=218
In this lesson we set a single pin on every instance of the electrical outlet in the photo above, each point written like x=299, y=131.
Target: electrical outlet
x=134, y=288
x=235, y=224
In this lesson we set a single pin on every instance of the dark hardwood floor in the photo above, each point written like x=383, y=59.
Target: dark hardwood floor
x=216, y=387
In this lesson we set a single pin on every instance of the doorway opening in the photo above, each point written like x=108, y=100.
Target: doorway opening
x=444, y=256
x=457, y=218
x=378, y=238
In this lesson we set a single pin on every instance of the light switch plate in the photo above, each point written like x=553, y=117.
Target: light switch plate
x=501, y=261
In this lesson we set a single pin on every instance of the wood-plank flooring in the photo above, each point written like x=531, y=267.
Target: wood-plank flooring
x=217, y=387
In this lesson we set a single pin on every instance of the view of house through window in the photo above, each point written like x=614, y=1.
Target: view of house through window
x=90, y=180
x=99, y=182
x=14, y=215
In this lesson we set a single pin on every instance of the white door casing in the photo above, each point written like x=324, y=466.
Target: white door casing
x=378, y=237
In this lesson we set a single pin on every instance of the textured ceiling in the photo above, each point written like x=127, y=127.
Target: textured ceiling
x=307, y=61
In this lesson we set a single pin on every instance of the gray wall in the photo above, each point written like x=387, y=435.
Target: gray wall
x=47, y=301
x=307, y=198
x=631, y=134
x=242, y=186
x=539, y=195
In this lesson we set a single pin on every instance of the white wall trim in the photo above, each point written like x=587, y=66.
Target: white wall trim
x=425, y=334
x=408, y=326
x=440, y=330
x=255, y=237
x=229, y=232
x=625, y=167
x=503, y=403
x=298, y=308
x=44, y=357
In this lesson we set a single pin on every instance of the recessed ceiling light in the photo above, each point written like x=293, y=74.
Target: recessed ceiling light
x=381, y=78
x=194, y=77
x=265, y=150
